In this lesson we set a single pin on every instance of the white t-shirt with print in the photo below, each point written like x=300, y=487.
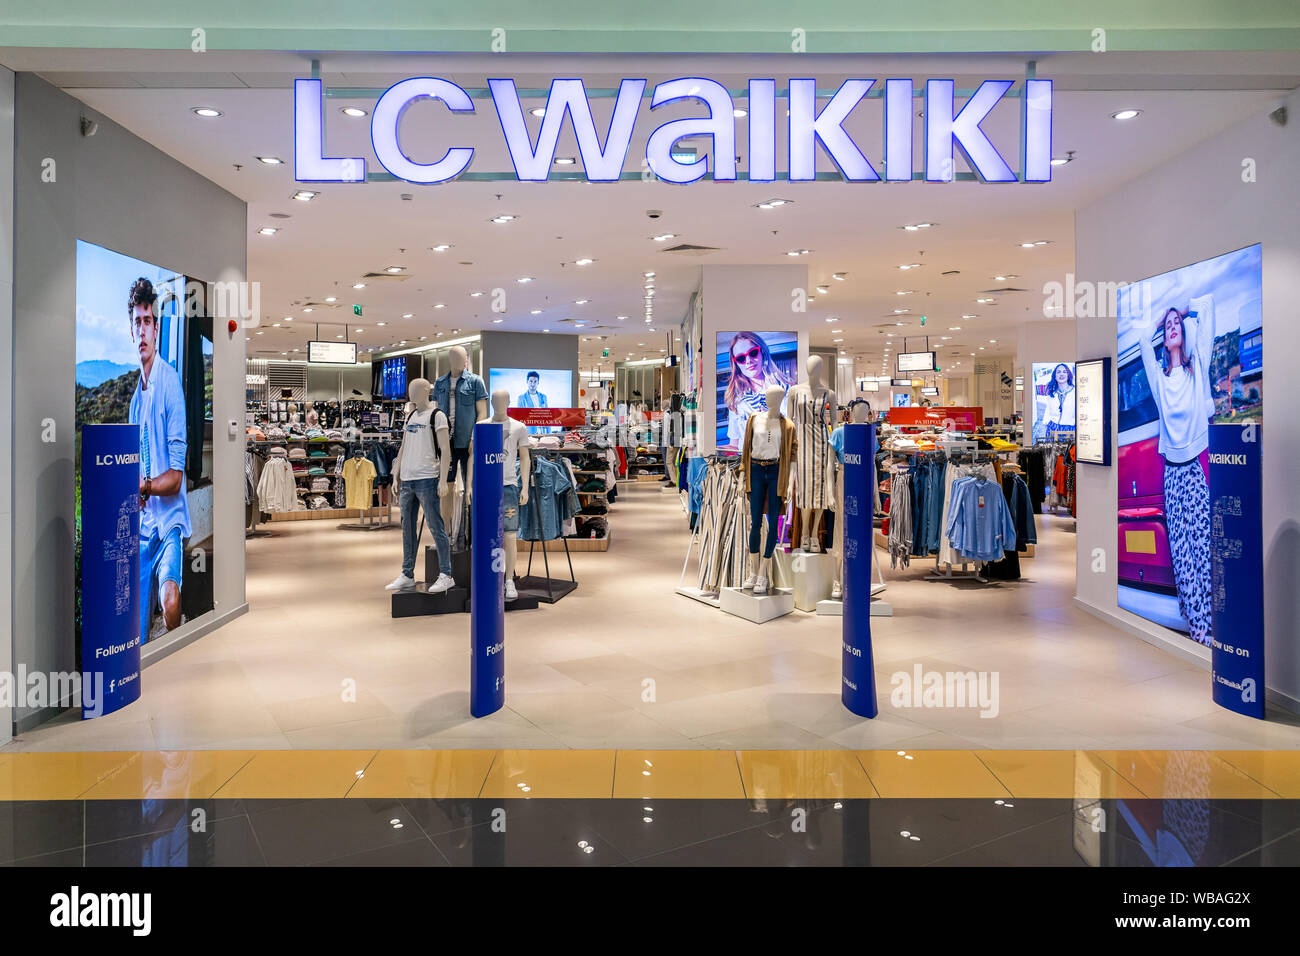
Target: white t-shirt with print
x=419, y=445
x=514, y=435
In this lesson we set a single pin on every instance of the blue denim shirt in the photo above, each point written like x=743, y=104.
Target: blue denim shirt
x=543, y=517
x=470, y=390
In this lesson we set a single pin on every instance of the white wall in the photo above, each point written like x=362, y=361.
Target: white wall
x=1192, y=208
x=1040, y=340
x=746, y=298
x=6, y=384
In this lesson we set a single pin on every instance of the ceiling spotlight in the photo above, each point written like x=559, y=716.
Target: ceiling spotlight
x=584, y=262
x=564, y=160
x=910, y=265
x=267, y=231
x=475, y=295
x=359, y=285
x=440, y=306
x=1063, y=160
x=497, y=321
x=538, y=111
x=1125, y=114
x=622, y=317
x=535, y=312
x=904, y=292
x=407, y=315
x=207, y=112
x=352, y=111
x=969, y=315
x=330, y=298
x=305, y=195
x=524, y=279
x=983, y=301
x=270, y=160
x=441, y=247
x=901, y=311
x=504, y=218
x=665, y=237
x=307, y=309
x=581, y=301
x=823, y=290
x=954, y=328
x=393, y=270
x=648, y=275
x=738, y=112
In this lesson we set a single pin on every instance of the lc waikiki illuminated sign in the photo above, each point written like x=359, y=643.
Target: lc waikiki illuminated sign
x=945, y=131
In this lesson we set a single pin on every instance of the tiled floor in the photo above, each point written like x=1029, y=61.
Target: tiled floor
x=650, y=808
x=625, y=663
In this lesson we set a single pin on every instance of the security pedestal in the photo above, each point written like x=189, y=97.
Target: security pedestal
x=487, y=616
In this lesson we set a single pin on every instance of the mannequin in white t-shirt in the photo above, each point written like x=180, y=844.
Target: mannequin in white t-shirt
x=419, y=477
x=516, y=444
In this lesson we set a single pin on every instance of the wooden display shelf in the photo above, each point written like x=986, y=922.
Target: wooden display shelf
x=309, y=514
x=575, y=544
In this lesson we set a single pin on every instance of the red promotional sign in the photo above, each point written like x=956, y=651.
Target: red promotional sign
x=549, y=417
x=963, y=418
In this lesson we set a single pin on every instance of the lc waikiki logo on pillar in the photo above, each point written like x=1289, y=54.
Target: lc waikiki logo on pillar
x=944, y=131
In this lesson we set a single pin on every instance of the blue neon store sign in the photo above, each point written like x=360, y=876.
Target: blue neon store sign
x=947, y=130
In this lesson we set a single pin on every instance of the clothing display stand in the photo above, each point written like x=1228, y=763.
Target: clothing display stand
x=834, y=607
x=552, y=588
x=380, y=520
x=758, y=608
x=461, y=571
x=958, y=449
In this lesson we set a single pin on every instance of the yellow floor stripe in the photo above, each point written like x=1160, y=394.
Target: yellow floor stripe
x=657, y=774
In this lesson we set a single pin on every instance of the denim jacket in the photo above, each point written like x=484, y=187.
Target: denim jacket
x=470, y=390
x=543, y=517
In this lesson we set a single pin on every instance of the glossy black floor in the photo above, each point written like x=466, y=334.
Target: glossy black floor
x=965, y=832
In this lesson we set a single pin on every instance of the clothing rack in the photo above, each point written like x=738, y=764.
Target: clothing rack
x=372, y=518
x=555, y=588
x=960, y=452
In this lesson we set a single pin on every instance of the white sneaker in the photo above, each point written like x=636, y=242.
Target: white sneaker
x=445, y=582
x=750, y=579
x=760, y=586
x=512, y=593
x=803, y=544
x=837, y=592
x=814, y=546
x=400, y=583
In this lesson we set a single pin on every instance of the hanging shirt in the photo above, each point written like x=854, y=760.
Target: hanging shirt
x=980, y=526
x=158, y=407
x=419, y=449
x=358, y=477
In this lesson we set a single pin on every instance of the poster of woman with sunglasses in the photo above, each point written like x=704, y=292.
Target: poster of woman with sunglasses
x=748, y=363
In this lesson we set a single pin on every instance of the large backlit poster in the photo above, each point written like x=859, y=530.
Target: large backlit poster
x=534, y=388
x=1054, y=400
x=1190, y=359
x=748, y=363
x=144, y=357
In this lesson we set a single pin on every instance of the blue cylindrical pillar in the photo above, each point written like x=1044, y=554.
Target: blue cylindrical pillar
x=487, y=609
x=111, y=589
x=858, y=690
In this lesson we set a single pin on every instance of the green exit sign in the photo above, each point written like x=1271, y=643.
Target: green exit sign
x=604, y=353
x=356, y=310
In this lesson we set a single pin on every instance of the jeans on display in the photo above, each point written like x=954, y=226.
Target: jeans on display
x=764, y=499
x=416, y=494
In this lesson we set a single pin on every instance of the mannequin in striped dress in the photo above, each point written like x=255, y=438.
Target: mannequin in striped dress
x=812, y=407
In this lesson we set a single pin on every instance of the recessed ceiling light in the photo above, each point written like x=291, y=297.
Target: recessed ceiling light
x=308, y=309
x=969, y=315
x=475, y=295
x=207, y=112
x=648, y=275
x=837, y=340
x=983, y=301
x=649, y=330
x=260, y=331
x=440, y=306
x=524, y=279
x=381, y=323
x=270, y=160
x=622, y=317
x=904, y=292
x=352, y=111
x=288, y=318
x=393, y=270
x=338, y=336
x=275, y=325
x=535, y=312
x=665, y=237
x=910, y=265
x=901, y=311
x=584, y=262
x=358, y=285
x=954, y=328
x=738, y=112
x=331, y=298
x=497, y=321
x=581, y=301
x=407, y=315
x=267, y=231
x=546, y=330
x=1125, y=114
x=538, y=111
x=441, y=247
x=823, y=290
x=504, y=218
x=836, y=331
x=564, y=160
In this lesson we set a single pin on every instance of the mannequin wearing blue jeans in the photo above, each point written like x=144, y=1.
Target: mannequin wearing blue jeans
x=764, y=499
x=762, y=448
x=421, y=473
x=415, y=494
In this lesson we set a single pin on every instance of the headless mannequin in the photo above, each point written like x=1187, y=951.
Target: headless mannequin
x=419, y=393
x=312, y=417
x=458, y=359
x=500, y=402
x=816, y=391
x=767, y=422
x=860, y=415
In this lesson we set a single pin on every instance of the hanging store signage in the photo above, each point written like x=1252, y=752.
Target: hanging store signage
x=916, y=362
x=1092, y=411
x=945, y=130
x=957, y=418
x=930, y=391
x=332, y=353
x=549, y=417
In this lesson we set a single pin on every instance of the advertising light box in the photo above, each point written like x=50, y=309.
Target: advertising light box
x=916, y=362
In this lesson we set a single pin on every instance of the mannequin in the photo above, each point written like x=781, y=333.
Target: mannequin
x=516, y=444
x=420, y=474
x=312, y=418
x=463, y=397
x=811, y=407
x=859, y=414
x=767, y=457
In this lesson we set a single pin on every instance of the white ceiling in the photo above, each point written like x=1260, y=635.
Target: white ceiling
x=855, y=229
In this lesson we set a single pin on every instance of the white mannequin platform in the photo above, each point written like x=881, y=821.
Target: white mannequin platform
x=759, y=608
